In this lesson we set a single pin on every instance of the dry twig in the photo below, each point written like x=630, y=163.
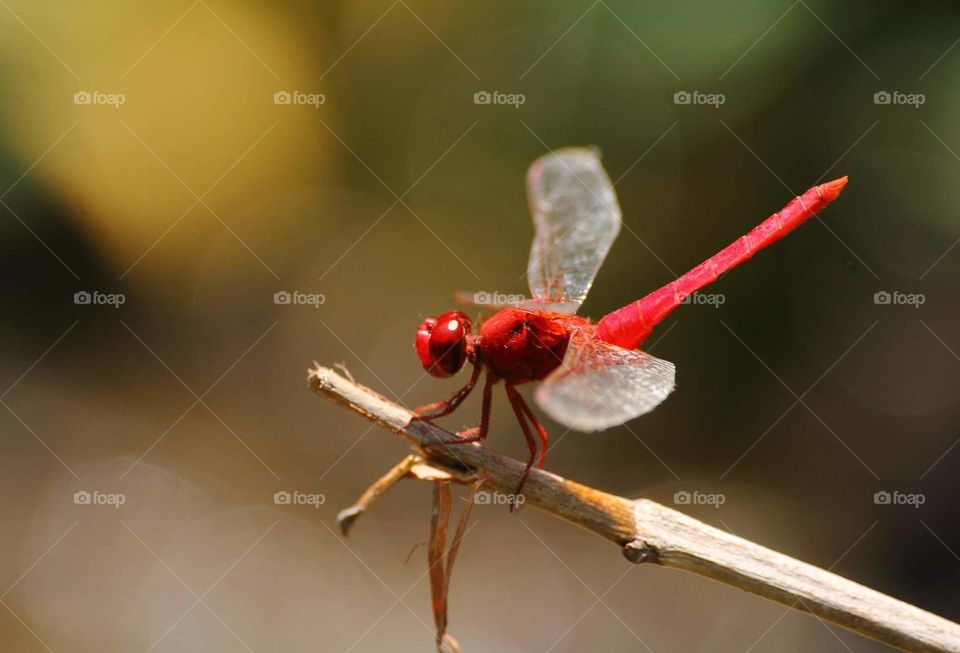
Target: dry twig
x=649, y=532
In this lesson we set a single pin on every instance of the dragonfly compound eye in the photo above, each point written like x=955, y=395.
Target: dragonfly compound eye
x=442, y=343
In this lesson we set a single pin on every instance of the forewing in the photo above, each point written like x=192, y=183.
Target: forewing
x=576, y=218
x=497, y=301
x=600, y=385
x=554, y=307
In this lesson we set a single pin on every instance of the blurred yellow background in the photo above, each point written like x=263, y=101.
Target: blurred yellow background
x=145, y=154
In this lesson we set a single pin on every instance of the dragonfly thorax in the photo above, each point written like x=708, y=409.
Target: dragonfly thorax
x=522, y=345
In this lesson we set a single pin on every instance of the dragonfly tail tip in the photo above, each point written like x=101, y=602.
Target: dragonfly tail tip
x=831, y=189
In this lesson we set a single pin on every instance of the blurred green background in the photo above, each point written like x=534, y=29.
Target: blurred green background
x=197, y=197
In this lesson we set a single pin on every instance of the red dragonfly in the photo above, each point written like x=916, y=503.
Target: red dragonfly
x=593, y=377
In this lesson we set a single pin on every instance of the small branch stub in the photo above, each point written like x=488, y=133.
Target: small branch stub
x=639, y=552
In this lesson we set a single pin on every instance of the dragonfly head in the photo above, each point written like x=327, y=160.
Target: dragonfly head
x=443, y=343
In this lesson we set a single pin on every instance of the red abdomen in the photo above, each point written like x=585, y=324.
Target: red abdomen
x=520, y=346
x=628, y=326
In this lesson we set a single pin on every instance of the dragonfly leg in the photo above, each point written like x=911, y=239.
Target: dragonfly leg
x=541, y=432
x=444, y=408
x=521, y=411
x=477, y=433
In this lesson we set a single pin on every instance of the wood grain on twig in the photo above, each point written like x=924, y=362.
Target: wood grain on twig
x=649, y=532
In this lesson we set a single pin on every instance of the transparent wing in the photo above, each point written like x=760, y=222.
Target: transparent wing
x=600, y=385
x=554, y=307
x=497, y=301
x=576, y=218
